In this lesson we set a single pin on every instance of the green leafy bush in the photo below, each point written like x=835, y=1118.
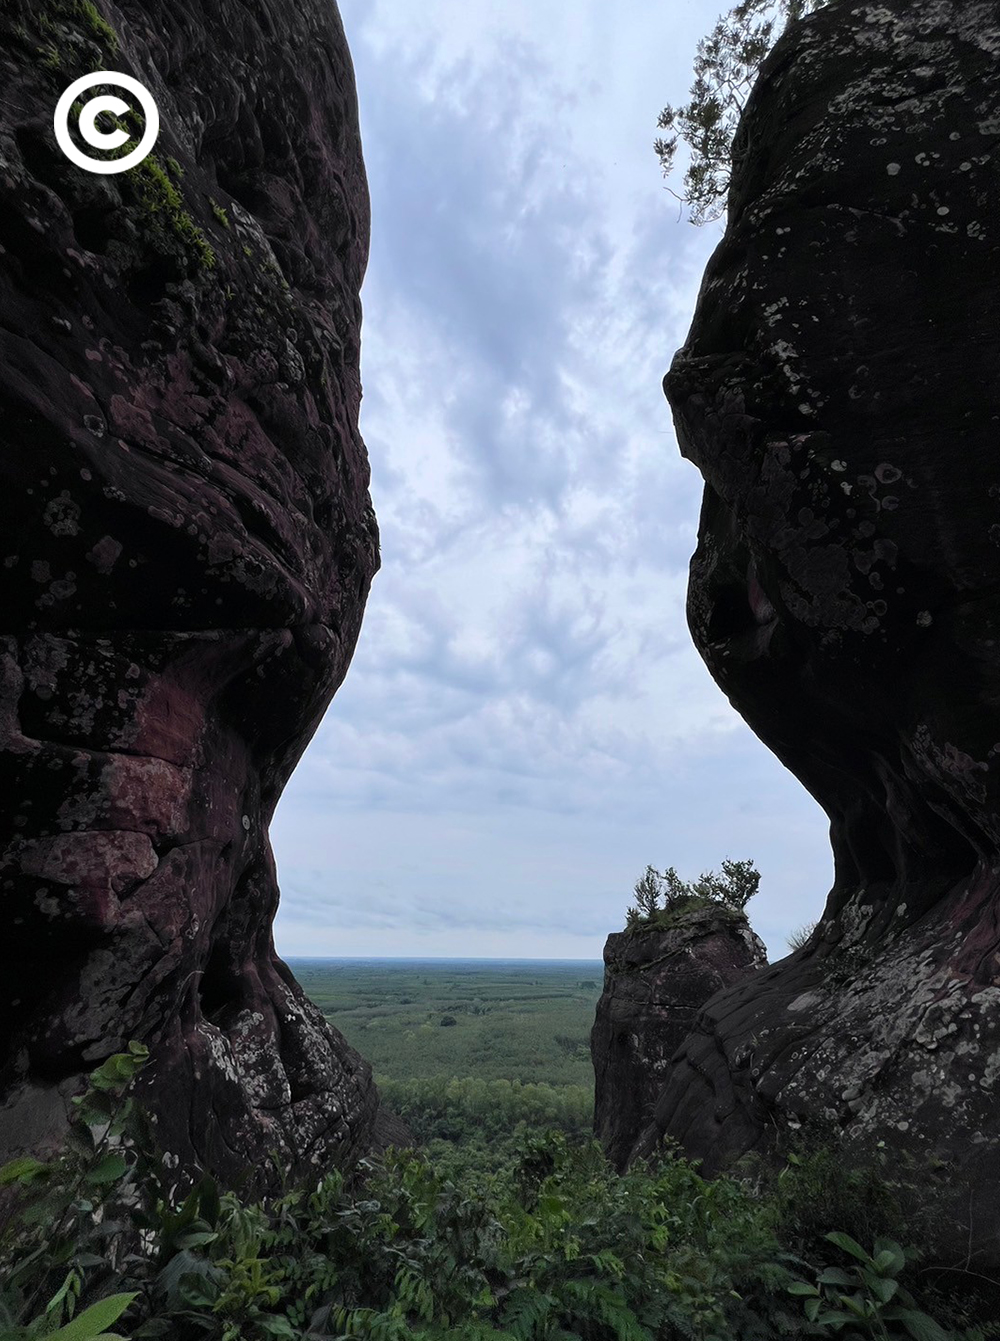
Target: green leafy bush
x=659, y=898
x=864, y=1299
x=555, y=1246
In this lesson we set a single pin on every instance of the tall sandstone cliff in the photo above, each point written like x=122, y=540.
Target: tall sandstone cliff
x=187, y=548
x=840, y=392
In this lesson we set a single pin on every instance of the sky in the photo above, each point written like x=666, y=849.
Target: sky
x=526, y=724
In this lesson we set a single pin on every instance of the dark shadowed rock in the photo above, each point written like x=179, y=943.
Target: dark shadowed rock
x=840, y=393
x=187, y=547
x=656, y=978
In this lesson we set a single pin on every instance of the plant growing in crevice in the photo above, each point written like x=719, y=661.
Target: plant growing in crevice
x=799, y=938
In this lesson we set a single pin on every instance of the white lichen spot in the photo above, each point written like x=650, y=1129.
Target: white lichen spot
x=219, y=1047
x=847, y=488
x=246, y=823
x=772, y=310
x=924, y=618
x=838, y=465
x=893, y=169
x=943, y=209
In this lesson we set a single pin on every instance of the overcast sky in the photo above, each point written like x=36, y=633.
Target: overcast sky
x=526, y=723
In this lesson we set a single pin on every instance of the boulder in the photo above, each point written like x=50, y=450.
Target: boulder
x=839, y=391
x=656, y=978
x=187, y=550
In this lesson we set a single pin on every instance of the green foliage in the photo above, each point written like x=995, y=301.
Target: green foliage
x=166, y=208
x=725, y=69
x=66, y=35
x=219, y=212
x=556, y=1245
x=61, y=1217
x=816, y=1188
x=659, y=898
x=846, y=964
x=861, y=1301
x=97, y=24
x=470, y=1123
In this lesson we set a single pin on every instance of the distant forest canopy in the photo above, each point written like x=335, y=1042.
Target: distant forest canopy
x=725, y=69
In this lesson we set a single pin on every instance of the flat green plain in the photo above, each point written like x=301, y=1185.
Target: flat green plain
x=526, y=1020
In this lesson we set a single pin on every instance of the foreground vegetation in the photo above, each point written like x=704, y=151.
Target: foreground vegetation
x=553, y=1247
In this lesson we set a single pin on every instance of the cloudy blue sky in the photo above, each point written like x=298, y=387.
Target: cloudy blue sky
x=526, y=723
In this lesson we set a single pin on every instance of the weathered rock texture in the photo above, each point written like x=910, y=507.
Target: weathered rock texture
x=187, y=548
x=840, y=393
x=655, y=981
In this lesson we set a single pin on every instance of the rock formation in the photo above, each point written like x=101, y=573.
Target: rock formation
x=656, y=978
x=187, y=550
x=840, y=392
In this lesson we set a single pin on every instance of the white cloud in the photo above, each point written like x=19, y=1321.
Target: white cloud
x=526, y=723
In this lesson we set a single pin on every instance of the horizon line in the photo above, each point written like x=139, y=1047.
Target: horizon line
x=446, y=959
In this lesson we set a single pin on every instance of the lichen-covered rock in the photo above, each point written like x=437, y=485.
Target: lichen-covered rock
x=839, y=392
x=187, y=549
x=656, y=978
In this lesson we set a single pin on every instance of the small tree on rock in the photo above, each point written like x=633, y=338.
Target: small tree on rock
x=647, y=893
x=735, y=888
x=725, y=69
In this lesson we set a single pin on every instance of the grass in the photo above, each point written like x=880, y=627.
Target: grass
x=219, y=212
x=96, y=23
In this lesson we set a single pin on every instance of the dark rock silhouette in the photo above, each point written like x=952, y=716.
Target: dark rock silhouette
x=187, y=549
x=656, y=978
x=840, y=392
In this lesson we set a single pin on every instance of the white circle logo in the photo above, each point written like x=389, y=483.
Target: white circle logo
x=105, y=139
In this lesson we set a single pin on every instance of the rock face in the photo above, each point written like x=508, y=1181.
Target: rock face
x=840, y=392
x=187, y=549
x=655, y=981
